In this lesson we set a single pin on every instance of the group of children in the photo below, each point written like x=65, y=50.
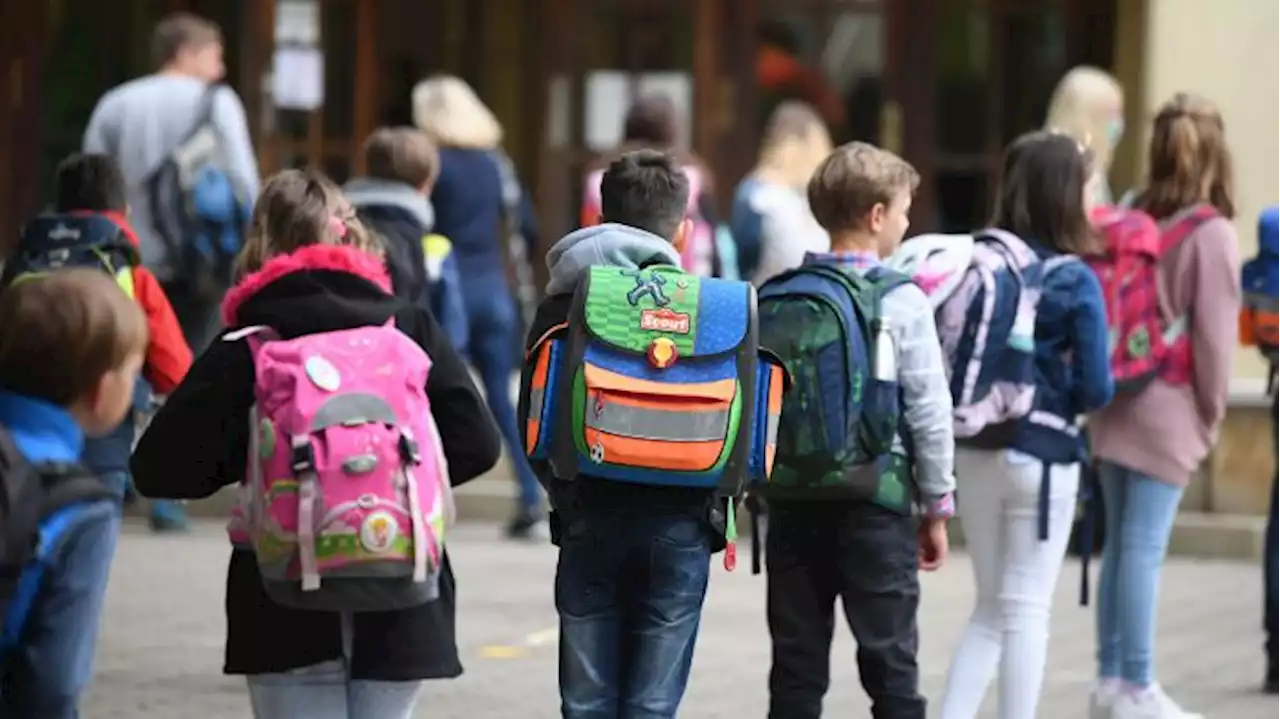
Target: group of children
x=844, y=394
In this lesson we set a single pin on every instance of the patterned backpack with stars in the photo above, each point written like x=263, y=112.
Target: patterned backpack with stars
x=657, y=378
x=346, y=493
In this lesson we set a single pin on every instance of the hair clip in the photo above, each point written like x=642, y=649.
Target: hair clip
x=338, y=226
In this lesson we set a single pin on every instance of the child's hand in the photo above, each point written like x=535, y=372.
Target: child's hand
x=934, y=544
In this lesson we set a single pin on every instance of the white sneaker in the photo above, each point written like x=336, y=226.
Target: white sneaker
x=1151, y=704
x=1102, y=699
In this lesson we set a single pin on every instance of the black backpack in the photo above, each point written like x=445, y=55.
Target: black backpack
x=56, y=241
x=38, y=504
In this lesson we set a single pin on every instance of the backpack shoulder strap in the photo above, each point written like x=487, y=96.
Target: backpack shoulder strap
x=204, y=111
x=1190, y=221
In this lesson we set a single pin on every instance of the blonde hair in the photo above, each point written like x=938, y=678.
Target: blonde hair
x=1082, y=106
x=795, y=142
x=298, y=208
x=447, y=109
x=1188, y=160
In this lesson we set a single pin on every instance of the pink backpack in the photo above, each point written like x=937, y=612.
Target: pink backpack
x=346, y=493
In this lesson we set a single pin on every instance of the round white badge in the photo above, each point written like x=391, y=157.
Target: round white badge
x=378, y=532
x=322, y=372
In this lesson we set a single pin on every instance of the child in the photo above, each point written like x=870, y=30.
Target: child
x=91, y=202
x=835, y=531
x=392, y=200
x=71, y=346
x=638, y=513
x=1148, y=444
x=1018, y=465
x=771, y=220
x=310, y=268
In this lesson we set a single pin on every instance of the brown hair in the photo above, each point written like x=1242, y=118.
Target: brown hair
x=179, y=31
x=402, y=154
x=853, y=179
x=61, y=332
x=651, y=121
x=297, y=208
x=1188, y=161
x=1041, y=193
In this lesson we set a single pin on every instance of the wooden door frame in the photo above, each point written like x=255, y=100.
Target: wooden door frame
x=258, y=55
x=23, y=28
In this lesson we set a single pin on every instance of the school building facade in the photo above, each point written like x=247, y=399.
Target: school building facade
x=946, y=83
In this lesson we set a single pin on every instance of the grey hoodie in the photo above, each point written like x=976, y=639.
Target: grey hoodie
x=609, y=245
x=367, y=191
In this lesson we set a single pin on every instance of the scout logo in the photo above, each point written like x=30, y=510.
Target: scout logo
x=650, y=285
x=664, y=320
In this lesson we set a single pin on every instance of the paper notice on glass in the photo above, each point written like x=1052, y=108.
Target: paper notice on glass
x=298, y=78
x=607, y=95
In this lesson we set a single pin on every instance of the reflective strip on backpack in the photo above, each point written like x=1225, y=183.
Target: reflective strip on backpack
x=658, y=425
x=417, y=521
x=308, y=496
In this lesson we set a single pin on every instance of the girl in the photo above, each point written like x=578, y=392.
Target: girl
x=308, y=266
x=1088, y=104
x=476, y=200
x=1044, y=199
x=771, y=220
x=1148, y=444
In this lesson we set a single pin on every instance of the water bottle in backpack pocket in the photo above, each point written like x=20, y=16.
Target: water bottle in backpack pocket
x=842, y=413
x=346, y=494
x=1260, y=282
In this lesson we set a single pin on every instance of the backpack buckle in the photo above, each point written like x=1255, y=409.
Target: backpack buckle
x=304, y=456
x=409, y=450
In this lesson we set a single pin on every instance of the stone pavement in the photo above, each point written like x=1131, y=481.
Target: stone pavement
x=161, y=645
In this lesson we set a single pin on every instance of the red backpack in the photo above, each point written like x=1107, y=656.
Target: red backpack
x=1143, y=342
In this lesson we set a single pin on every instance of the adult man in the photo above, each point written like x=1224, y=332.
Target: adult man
x=142, y=121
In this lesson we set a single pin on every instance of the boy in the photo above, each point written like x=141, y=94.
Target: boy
x=864, y=552
x=91, y=207
x=393, y=200
x=71, y=346
x=634, y=559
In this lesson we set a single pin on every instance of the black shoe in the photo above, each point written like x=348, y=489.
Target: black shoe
x=527, y=526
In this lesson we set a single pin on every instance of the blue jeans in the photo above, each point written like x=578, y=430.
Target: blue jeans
x=629, y=589
x=326, y=691
x=1270, y=563
x=492, y=339
x=1139, y=514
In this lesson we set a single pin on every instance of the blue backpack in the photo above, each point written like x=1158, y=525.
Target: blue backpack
x=39, y=505
x=1260, y=282
x=840, y=418
x=197, y=211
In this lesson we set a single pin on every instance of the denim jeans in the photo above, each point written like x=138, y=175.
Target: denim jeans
x=629, y=590
x=326, y=691
x=493, y=326
x=1271, y=572
x=866, y=557
x=1139, y=514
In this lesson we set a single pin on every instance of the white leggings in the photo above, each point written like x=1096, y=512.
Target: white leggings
x=1015, y=573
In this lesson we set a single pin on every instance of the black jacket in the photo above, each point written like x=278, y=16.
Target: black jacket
x=570, y=500
x=197, y=443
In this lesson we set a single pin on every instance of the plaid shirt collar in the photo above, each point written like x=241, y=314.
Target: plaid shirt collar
x=848, y=260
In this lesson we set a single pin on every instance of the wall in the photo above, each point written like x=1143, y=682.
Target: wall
x=1227, y=54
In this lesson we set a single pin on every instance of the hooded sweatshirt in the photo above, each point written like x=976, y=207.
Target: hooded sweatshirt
x=198, y=442
x=609, y=245
x=1166, y=430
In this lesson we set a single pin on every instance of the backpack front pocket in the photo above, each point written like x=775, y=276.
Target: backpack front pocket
x=676, y=427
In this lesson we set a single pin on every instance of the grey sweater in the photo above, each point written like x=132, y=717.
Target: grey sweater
x=140, y=122
x=926, y=396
